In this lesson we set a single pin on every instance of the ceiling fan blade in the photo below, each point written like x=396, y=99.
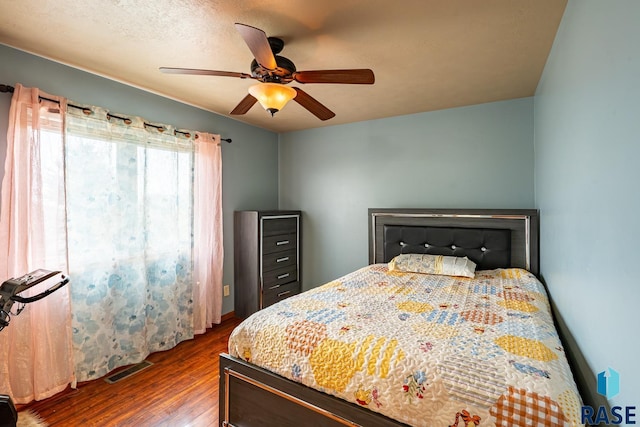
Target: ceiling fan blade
x=244, y=105
x=258, y=43
x=312, y=104
x=354, y=76
x=170, y=70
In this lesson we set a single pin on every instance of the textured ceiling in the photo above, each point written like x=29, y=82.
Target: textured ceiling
x=426, y=54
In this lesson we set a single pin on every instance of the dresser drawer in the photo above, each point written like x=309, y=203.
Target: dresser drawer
x=271, y=227
x=278, y=294
x=279, y=243
x=279, y=277
x=279, y=260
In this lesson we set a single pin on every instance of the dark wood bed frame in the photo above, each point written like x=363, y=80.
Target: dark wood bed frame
x=252, y=396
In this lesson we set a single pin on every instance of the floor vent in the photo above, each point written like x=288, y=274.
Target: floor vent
x=125, y=373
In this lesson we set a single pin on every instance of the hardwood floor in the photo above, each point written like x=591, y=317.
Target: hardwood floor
x=180, y=389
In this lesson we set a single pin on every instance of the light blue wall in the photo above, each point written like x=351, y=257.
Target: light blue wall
x=471, y=157
x=587, y=152
x=249, y=164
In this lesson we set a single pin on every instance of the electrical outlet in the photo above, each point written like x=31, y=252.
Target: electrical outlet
x=225, y=290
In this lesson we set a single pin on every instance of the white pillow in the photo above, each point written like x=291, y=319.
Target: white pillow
x=434, y=264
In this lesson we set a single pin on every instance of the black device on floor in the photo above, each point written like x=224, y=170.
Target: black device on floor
x=8, y=414
x=9, y=291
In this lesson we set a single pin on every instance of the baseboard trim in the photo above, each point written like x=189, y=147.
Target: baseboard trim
x=229, y=315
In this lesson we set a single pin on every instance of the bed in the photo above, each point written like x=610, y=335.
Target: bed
x=385, y=345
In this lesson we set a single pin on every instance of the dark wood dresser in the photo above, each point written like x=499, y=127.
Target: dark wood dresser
x=266, y=248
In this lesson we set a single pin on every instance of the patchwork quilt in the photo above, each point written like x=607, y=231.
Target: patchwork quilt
x=426, y=350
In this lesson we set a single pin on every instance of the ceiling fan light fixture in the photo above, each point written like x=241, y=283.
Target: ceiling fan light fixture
x=272, y=96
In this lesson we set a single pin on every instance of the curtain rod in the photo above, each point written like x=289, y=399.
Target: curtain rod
x=10, y=89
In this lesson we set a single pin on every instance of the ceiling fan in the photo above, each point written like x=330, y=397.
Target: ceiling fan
x=274, y=72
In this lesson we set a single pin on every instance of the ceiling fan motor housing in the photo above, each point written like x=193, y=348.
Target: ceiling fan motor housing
x=276, y=44
x=282, y=74
x=284, y=66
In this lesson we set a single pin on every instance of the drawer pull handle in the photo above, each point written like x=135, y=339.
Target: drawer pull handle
x=283, y=293
x=282, y=242
x=274, y=287
x=283, y=259
x=282, y=276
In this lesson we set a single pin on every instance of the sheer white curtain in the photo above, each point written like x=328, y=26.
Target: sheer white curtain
x=36, y=358
x=143, y=240
x=139, y=207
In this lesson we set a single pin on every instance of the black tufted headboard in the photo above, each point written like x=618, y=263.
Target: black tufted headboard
x=490, y=238
x=488, y=248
